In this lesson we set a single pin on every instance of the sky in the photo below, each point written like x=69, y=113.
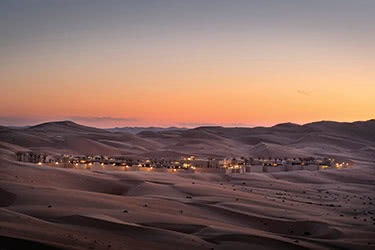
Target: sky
x=186, y=63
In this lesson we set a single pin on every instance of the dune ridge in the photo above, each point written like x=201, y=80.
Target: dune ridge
x=319, y=139
x=57, y=208
x=138, y=210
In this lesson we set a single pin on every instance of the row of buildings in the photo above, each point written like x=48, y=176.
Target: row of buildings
x=192, y=164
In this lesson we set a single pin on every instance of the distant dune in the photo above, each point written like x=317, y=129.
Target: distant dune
x=326, y=138
x=136, y=130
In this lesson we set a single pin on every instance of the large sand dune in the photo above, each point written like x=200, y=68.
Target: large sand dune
x=54, y=208
x=314, y=139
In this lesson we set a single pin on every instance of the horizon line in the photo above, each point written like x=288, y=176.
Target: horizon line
x=181, y=127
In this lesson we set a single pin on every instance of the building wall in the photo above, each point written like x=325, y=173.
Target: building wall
x=200, y=163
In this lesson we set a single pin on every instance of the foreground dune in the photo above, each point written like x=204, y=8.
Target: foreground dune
x=53, y=208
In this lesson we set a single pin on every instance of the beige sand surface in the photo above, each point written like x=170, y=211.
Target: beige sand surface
x=321, y=139
x=53, y=208
x=80, y=209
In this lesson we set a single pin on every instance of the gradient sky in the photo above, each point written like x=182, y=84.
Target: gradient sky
x=186, y=63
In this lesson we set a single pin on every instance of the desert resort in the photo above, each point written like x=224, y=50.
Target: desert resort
x=192, y=164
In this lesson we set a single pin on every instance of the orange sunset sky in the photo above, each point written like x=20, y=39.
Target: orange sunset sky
x=186, y=63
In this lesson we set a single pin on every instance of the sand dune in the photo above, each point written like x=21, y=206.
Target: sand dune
x=314, y=139
x=273, y=150
x=55, y=208
x=76, y=209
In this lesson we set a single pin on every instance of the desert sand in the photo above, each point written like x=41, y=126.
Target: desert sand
x=351, y=141
x=56, y=208
x=44, y=207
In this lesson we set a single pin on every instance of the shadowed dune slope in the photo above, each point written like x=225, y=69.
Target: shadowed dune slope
x=314, y=139
x=55, y=208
